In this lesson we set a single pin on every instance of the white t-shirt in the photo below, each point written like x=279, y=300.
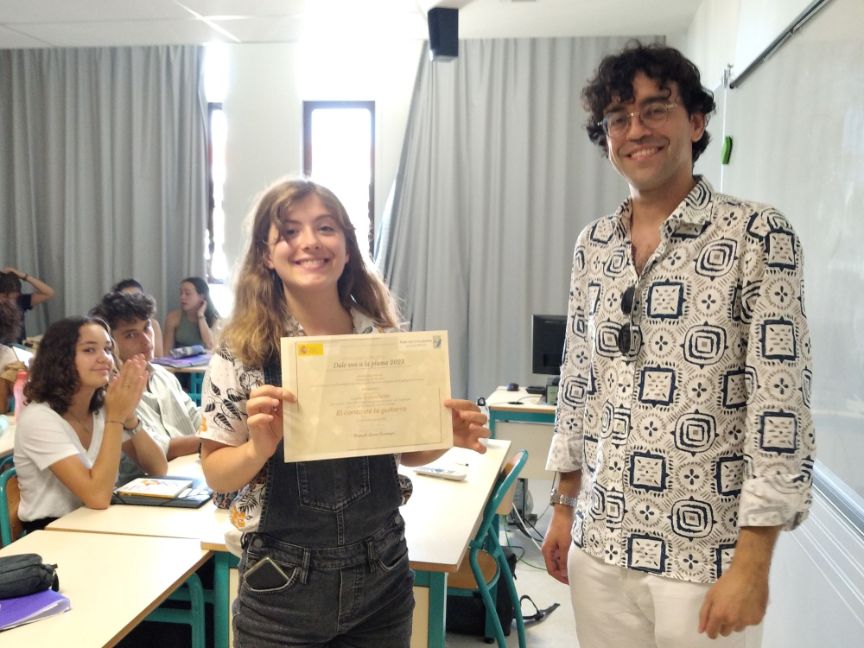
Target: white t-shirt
x=166, y=412
x=42, y=438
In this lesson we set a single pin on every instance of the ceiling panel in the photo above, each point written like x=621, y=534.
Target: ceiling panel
x=58, y=11
x=144, y=22
x=104, y=34
x=11, y=39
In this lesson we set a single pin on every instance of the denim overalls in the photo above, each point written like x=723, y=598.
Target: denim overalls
x=334, y=529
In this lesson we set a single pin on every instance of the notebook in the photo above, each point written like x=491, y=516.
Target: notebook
x=179, y=363
x=26, y=609
x=154, y=486
x=191, y=494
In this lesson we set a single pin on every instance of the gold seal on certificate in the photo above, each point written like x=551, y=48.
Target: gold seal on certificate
x=366, y=394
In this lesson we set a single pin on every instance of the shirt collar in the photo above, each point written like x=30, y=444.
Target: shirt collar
x=691, y=213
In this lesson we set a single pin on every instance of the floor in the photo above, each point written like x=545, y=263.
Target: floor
x=555, y=630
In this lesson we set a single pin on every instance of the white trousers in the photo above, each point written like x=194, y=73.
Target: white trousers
x=621, y=608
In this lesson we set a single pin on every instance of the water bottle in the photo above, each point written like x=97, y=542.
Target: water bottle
x=18, y=392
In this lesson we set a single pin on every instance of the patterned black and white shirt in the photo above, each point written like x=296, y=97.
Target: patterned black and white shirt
x=703, y=425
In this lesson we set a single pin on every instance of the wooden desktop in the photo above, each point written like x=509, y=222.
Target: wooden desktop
x=112, y=582
x=441, y=518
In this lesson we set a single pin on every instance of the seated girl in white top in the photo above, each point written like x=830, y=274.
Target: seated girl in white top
x=68, y=438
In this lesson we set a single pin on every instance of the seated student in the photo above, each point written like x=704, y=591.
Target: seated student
x=196, y=319
x=10, y=322
x=69, y=437
x=10, y=290
x=166, y=411
x=130, y=286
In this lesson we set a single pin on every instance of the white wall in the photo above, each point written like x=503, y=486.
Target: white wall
x=817, y=579
x=733, y=32
x=267, y=85
x=711, y=39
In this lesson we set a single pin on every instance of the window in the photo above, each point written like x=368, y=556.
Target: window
x=217, y=267
x=339, y=152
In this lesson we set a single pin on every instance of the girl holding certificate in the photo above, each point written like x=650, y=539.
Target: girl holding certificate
x=324, y=560
x=69, y=437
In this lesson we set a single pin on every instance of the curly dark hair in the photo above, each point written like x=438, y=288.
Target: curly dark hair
x=10, y=321
x=53, y=374
x=9, y=283
x=116, y=307
x=664, y=64
x=123, y=284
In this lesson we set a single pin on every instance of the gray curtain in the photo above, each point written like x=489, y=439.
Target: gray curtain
x=496, y=180
x=102, y=170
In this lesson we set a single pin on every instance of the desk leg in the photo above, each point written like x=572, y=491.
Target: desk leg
x=436, y=582
x=221, y=597
x=493, y=419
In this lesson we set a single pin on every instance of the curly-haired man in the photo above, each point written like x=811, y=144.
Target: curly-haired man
x=683, y=436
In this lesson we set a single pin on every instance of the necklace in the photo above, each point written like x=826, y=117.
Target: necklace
x=85, y=427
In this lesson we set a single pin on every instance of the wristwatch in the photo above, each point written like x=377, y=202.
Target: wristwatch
x=134, y=430
x=557, y=498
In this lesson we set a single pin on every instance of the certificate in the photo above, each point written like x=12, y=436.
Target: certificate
x=365, y=394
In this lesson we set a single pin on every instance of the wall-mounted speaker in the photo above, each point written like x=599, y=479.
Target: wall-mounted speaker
x=443, y=34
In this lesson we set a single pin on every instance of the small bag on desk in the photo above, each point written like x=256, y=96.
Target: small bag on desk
x=26, y=574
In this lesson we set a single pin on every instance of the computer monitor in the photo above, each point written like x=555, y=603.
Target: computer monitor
x=547, y=343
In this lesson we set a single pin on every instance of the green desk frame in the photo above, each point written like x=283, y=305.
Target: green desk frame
x=224, y=561
x=499, y=416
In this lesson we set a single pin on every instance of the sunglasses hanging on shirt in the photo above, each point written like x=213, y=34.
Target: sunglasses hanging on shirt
x=629, y=336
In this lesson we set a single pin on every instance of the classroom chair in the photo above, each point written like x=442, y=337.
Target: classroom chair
x=486, y=560
x=193, y=592
x=10, y=526
x=192, y=384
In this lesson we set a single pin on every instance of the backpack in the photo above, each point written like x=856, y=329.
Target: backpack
x=467, y=615
x=25, y=574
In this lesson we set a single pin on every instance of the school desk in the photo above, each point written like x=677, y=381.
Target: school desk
x=206, y=523
x=526, y=420
x=441, y=518
x=112, y=582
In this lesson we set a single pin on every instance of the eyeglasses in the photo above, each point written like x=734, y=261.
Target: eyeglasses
x=628, y=334
x=652, y=115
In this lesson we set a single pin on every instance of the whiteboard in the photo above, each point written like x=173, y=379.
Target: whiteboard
x=798, y=129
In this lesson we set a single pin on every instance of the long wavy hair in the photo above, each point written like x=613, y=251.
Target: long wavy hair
x=53, y=374
x=260, y=309
x=203, y=290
